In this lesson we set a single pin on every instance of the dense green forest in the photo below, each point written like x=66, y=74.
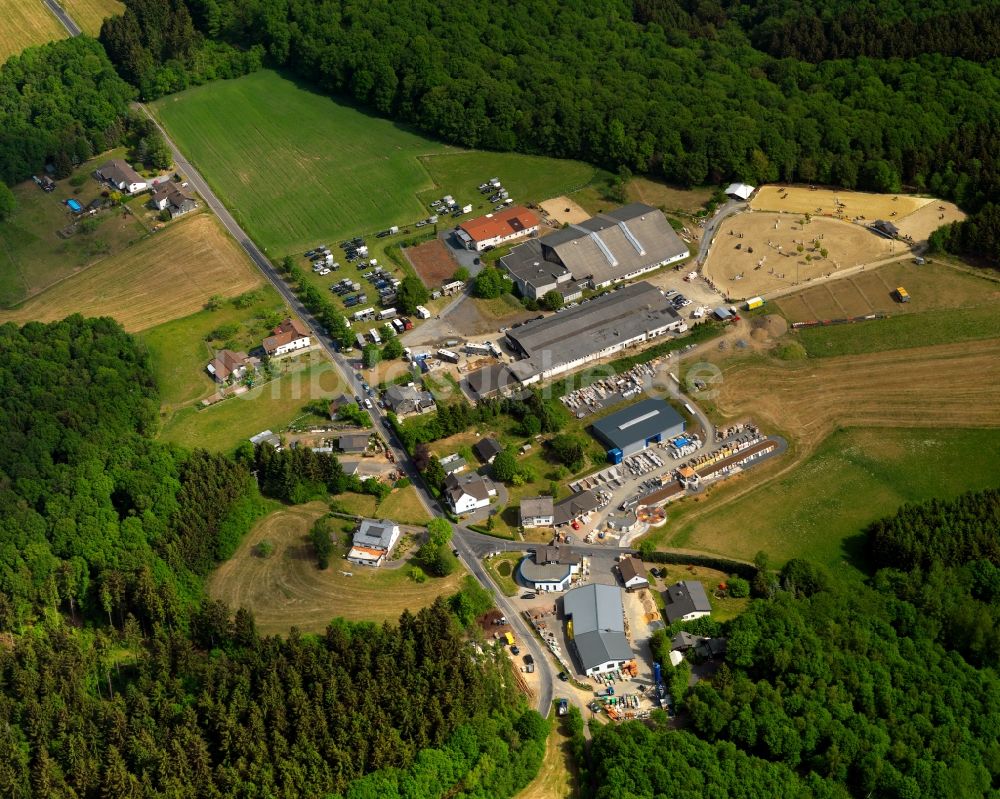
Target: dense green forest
x=80, y=112
x=886, y=690
x=97, y=518
x=121, y=681
x=221, y=712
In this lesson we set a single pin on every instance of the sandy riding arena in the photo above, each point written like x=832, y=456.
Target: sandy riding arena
x=841, y=204
x=757, y=253
x=562, y=210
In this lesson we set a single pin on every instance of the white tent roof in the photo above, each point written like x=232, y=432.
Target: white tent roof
x=741, y=190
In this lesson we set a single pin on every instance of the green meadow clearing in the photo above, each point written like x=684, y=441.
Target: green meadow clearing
x=299, y=169
x=819, y=510
x=273, y=406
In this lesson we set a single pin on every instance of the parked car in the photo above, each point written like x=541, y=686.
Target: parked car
x=563, y=676
x=515, y=650
x=562, y=708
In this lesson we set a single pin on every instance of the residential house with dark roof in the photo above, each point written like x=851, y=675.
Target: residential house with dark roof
x=353, y=443
x=550, y=568
x=408, y=400
x=174, y=198
x=232, y=366
x=686, y=601
x=121, y=176
x=537, y=512
x=487, y=449
x=633, y=574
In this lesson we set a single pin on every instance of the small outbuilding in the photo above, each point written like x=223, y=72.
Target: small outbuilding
x=487, y=449
x=740, y=191
x=633, y=574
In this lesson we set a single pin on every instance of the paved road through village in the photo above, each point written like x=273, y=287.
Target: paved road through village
x=470, y=545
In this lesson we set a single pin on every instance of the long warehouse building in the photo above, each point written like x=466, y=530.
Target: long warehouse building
x=634, y=428
x=595, y=329
x=610, y=247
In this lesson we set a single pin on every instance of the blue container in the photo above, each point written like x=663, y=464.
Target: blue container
x=74, y=206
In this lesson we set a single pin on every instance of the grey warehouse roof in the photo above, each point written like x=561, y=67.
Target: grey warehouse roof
x=637, y=423
x=590, y=327
x=490, y=379
x=598, y=624
x=611, y=245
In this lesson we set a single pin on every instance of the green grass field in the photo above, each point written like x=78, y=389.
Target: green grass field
x=528, y=178
x=299, y=169
x=179, y=349
x=294, y=166
x=902, y=332
x=32, y=254
x=819, y=510
x=222, y=427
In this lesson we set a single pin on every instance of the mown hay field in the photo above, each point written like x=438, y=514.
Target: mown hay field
x=287, y=589
x=90, y=14
x=26, y=23
x=165, y=276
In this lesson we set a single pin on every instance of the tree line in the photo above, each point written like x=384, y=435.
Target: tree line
x=833, y=689
x=812, y=31
x=221, y=711
x=875, y=97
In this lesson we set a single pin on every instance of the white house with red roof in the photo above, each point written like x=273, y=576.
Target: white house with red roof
x=497, y=228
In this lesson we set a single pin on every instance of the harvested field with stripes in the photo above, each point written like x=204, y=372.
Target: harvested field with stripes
x=166, y=276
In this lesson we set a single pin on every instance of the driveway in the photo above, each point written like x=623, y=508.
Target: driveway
x=465, y=257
